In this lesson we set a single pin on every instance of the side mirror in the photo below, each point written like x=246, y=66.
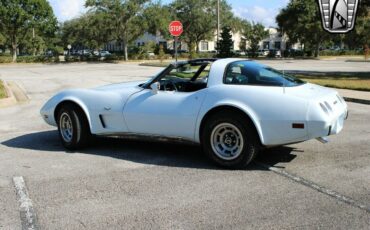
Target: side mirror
x=155, y=87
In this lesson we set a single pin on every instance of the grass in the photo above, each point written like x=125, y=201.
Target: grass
x=2, y=90
x=355, y=82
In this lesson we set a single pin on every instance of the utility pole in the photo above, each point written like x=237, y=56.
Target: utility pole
x=218, y=21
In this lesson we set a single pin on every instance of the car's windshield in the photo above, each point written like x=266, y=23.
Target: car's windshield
x=192, y=72
x=252, y=73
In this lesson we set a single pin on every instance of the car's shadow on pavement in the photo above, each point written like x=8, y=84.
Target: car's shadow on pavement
x=145, y=152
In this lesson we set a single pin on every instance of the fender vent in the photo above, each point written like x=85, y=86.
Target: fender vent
x=102, y=120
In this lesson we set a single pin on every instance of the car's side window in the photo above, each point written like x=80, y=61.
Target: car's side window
x=250, y=73
x=234, y=75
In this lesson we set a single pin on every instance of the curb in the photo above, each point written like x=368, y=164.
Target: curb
x=10, y=100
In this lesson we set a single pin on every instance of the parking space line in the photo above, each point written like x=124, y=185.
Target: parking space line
x=27, y=213
x=316, y=187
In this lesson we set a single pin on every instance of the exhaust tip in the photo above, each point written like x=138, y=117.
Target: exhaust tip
x=323, y=140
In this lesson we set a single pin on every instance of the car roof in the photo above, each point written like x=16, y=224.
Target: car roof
x=196, y=61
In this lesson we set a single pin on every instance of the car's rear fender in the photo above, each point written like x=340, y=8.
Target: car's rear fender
x=228, y=104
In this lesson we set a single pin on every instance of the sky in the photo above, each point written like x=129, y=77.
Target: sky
x=263, y=11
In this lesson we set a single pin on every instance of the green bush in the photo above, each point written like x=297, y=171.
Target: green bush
x=341, y=52
x=293, y=53
x=186, y=55
x=72, y=58
x=206, y=55
x=5, y=59
x=113, y=58
x=37, y=59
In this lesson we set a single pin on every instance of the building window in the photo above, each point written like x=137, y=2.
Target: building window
x=278, y=45
x=204, y=46
x=266, y=45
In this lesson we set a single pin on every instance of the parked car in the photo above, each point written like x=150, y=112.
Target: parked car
x=84, y=52
x=232, y=107
x=151, y=54
x=263, y=53
x=105, y=53
x=240, y=53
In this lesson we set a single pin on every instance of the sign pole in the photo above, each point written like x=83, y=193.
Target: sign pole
x=175, y=51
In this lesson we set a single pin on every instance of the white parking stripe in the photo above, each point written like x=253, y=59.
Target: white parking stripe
x=27, y=213
x=316, y=187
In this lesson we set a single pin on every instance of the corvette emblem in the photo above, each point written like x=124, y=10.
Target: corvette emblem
x=338, y=16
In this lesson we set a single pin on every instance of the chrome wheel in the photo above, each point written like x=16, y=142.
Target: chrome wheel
x=227, y=141
x=66, y=127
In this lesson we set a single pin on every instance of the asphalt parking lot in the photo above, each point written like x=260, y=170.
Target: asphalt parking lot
x=126, y=184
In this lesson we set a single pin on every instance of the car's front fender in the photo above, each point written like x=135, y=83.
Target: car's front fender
x=48, y=110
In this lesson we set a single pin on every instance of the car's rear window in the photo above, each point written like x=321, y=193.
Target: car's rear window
x=252, y=73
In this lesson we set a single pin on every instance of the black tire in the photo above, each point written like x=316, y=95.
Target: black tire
x=80, y=134
x=251, y=143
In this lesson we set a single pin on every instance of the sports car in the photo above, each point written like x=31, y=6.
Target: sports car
x=231, y=107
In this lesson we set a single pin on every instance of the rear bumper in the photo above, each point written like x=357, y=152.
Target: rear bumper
x=329, y=123
x=337, y=125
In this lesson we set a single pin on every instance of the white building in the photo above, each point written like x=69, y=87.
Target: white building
x=147, y=37
x=275, y=41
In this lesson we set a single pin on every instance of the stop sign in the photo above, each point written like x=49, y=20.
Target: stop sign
x=175, y=28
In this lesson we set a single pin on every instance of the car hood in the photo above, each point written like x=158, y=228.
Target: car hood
x=310, y=91
x=118, y=87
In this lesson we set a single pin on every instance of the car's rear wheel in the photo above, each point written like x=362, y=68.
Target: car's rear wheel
x=229, y=140
x=73, y=127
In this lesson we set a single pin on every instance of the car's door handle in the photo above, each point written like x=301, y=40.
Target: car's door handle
x=107, y=108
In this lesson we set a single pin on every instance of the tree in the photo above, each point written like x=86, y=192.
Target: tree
x=254, y=34
x=301, y=21
x=19, y=17
x=196, y=17
x=157, y=18
x=226, y=43
x=161, y=53
x=2, y=42
x=199, y=19
x=245, y=28
x=360, y=36
x=91, y=30
x=125, y=16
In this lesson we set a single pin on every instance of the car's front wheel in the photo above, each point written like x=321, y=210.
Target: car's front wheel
x=73, y=127
x=230, y=140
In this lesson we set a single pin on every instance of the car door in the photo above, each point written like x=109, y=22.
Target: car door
x=165, y=113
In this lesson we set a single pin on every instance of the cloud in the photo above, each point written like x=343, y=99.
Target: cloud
x=256, y=13
x=67, y=9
